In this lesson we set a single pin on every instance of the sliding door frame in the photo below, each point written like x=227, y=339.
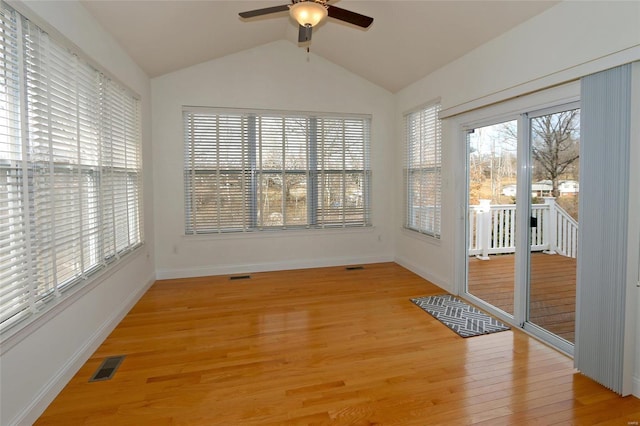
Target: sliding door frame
x=525, y=210
x=516, y=109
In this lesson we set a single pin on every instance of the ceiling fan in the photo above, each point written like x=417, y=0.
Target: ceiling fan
x=309, y=13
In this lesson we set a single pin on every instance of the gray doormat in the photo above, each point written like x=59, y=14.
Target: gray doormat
x=460, y=317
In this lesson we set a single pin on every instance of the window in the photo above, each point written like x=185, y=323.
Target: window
x=422, y=170
x=70, y=169
x=255, y=170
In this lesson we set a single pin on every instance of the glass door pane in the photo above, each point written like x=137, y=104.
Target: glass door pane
x=492, y=166
x=555, y=167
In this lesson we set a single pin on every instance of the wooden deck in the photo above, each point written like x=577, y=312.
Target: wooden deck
x=327, y=347
x=553, y=289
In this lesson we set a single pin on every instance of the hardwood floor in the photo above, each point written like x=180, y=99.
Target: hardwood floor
x=322, y=346
x=553, y=289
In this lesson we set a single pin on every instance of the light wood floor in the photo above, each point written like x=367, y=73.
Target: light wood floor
x=322, y=346
x=553, y=289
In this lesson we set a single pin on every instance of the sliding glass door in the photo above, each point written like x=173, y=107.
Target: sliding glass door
x=554, y=157
x=521, y=221
x=492, y=166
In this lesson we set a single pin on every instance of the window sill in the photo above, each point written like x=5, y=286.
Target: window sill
x=22, y=329
x=280, y=233
x=422, y=237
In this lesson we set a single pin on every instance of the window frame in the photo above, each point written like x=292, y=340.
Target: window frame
x=428, y=223
x=315, y=171
x=86, y=131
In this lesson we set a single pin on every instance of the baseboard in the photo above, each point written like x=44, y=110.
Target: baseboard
x=424, y=273
x=48, y=393
x=164, y=274
x=635, y=390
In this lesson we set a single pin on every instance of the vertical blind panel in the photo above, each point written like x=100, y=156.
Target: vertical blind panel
x=422, y=170
x=604, y=181
x=70, y=169
x=246, y=171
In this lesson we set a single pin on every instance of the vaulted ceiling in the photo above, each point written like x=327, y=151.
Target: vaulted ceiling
x=408, y=39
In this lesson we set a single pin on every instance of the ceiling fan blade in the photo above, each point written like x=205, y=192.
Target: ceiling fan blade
x=350, y=17
x=265, y=11
x=304, y=33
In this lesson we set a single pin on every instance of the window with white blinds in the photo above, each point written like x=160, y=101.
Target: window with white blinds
x=70, y=169
x=422, y=170
x=254, y=170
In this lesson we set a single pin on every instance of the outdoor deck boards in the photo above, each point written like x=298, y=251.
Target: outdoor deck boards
x=553, y=290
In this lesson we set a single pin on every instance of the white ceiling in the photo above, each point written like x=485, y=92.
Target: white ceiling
x=407, y=41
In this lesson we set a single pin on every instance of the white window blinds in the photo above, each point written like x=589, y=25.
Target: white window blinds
x=247, y=170
x=70, y=169
x=422, y=170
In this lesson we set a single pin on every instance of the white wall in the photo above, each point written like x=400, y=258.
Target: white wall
x=37, y=363
x=279, y=76
x=563, y=43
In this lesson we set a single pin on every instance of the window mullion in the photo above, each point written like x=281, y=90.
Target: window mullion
x=126, y=175
x=284, y=173
x=253, y=189
x=422, y=226
x=312, y=173
x=218, y=192
x=436, y=171
x=407, y=182
x=102, y=233
x=80, y=168
x=52, y=190
x=113, y=176
x=260, y=173
x=27, y=179
x=344, y=176
x=322, y=174
x=192, y=148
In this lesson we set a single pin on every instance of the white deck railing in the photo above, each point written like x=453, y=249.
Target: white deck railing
x=492, y=229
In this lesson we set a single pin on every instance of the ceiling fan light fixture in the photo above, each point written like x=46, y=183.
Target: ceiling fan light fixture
x=308, y=13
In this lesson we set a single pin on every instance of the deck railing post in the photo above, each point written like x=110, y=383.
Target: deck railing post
x=484, y=229
x=550, y=226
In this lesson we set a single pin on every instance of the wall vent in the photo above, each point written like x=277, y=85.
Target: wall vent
x=107, y=369
x=240, y=277
x=354, y=268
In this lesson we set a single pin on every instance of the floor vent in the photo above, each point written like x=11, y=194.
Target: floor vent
x=107, y=369
x=240, y=277
x=354, y=268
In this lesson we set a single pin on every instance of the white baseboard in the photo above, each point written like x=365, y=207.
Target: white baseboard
x=636, y=386
x=424, y=273
x=48, y=392
x=164, y=274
